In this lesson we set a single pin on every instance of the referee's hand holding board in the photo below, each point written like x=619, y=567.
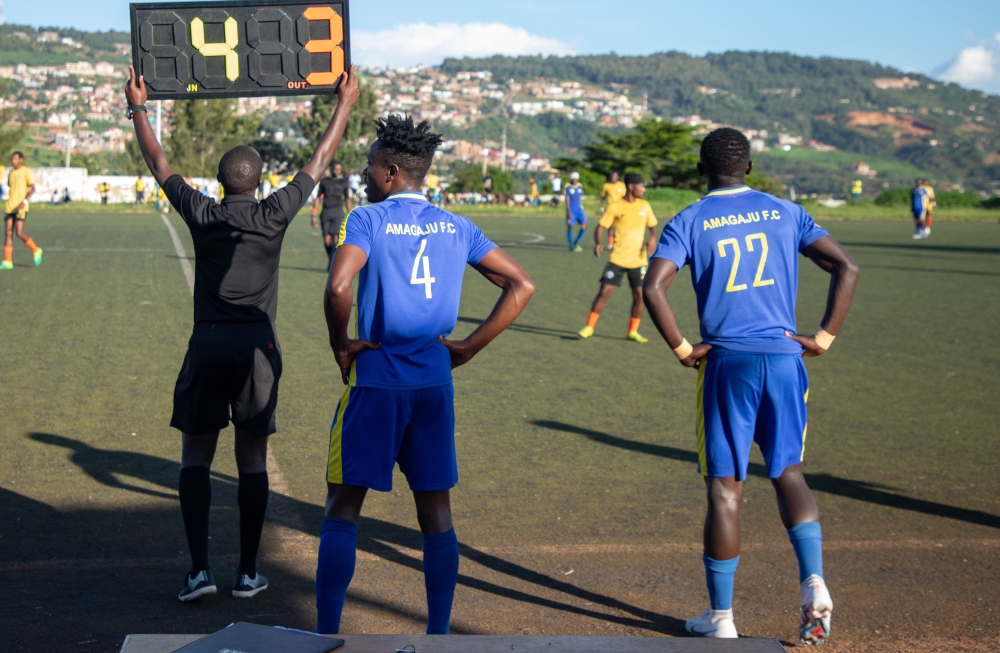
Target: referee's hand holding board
x=188, y=50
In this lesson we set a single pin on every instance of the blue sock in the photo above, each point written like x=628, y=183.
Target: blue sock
x=579, y=236
x=337, y=555
x=440, y=578
x=807, y=540
x=569, y=237
x=719, y=575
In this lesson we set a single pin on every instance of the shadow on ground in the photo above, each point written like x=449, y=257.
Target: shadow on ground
x=859, y=490
x=56, y=561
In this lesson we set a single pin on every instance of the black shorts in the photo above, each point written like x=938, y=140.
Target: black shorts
x=613, y=275
x=330, y=220
x=228, y=367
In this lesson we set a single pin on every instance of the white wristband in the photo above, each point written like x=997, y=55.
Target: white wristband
x=824, y=339
x=683, y=350
x=25, y=202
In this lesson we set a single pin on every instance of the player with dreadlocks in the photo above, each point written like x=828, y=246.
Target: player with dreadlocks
x=398, y=406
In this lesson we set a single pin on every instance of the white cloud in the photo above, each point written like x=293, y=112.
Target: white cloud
x=975, y=67
x=407, y=45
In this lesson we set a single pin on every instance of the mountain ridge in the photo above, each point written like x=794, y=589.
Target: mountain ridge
x=951, y=133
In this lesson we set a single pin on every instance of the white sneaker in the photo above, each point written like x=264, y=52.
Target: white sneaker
x=713, y=623
x=927, y=232
x=917, y=236
x=817, y=608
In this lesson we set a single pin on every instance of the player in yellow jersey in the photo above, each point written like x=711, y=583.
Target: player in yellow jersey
x=104, y=188
x=21, y=183
x=612, y=191
x=929, y=203
x=629, y=216
x=140, y=190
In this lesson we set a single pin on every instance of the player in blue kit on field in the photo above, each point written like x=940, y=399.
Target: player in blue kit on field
x=398, y=407
x=743, y=247
x=574, y=212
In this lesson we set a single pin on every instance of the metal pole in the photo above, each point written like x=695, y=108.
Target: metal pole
x=159, y=122
x=69, y=137
x=503, y=150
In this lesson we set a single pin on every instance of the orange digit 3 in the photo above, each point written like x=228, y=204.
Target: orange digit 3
x=331, y=45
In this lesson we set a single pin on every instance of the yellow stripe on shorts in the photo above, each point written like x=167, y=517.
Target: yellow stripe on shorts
x=335, y=461
x=805, y=428
x=702, y=453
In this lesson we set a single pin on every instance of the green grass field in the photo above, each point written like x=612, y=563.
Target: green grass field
x=579, y=506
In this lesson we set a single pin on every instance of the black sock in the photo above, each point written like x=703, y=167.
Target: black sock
x=195, y=489
x=253, y=505
x=329, y=250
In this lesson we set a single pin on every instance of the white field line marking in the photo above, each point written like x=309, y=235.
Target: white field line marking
x=396, y=551
x=289, y=524
x=535, y=238
x=181, y=254
x=108, y=250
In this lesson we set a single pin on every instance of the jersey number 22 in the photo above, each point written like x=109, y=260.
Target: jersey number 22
x=757, y=281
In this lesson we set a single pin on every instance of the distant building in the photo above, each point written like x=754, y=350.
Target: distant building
x=80, y=68
x=47, y=37
x=104, y=69
x=899, y=83
x=863, y=168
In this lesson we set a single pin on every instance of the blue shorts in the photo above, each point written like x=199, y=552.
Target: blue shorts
x=374, y=428
x=745, y=398
x=576, y=217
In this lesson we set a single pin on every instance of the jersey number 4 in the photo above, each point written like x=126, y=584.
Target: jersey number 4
x=757, y=280
x=427, y=279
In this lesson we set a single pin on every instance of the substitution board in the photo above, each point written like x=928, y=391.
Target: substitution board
x=187, y=50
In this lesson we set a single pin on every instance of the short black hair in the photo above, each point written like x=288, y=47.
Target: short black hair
x=18, y=153
x=405, y=145
x=634, y=178
x=725, y=152
x=240, y=169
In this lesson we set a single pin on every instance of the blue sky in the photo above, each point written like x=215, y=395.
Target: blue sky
x=959, y=40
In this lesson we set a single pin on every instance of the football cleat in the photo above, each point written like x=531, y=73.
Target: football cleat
x=38, y=257
x=244, y=586
x=713, y=623
x=6, y=265
x=197, y=586
x=635, y=337
x=586, y=332
x=817, y=608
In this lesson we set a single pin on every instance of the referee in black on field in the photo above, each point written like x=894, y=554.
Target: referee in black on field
x=233, y=361
x=334, y=192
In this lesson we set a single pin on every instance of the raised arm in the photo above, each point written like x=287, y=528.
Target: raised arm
x=348, y=94
x=504, y=272
x=659, y=277
x=152, y=153
x=831, y=256
x=337, y=300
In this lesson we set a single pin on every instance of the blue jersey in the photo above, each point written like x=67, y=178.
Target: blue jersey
x=918, y=200
x=574, y=198
x=409, y=290
x=742, y=246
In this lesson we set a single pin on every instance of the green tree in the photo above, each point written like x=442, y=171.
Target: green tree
x=353, y=151
x=664, y=153
x=132, y=161
x=202, y=131
x=765, y=184
x=9, y=137
x=469, y=178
